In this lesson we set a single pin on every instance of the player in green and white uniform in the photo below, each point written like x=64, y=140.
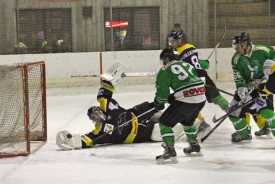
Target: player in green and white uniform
x=247, y=74
x=188, y=100
x=259, y=54
x=188, y=53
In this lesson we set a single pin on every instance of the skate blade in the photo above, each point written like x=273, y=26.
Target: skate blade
x=172, y=160
x=243, y=142
x=194, y=154
x=268, y=136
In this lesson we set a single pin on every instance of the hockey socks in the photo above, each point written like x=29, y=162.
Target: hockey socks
x=242, y=129
x=167, y=134
x=220, y=101
x=194, y=146
x=270, y=118
x=169, y=155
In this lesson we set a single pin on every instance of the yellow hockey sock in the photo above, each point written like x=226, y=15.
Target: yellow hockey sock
x=200, y=117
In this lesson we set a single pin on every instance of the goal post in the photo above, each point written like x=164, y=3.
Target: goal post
x=23, y=113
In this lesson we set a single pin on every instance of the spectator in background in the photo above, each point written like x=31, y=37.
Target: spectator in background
x=59, y=44
x=177, y=27
x=40, y=44
x=20, y=47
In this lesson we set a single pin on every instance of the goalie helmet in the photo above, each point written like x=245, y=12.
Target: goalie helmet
x=167, y=55
x=177, y=38
x=96, y=114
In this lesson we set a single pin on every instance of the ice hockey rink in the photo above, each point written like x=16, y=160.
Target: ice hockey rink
x=222, y=161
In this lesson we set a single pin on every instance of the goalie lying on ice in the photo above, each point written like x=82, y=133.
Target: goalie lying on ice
x=109, y=117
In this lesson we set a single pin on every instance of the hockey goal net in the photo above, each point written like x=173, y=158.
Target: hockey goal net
x=22, y=107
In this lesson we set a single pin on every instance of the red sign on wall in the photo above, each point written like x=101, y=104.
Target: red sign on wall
x=61, y=0
x=116, y=23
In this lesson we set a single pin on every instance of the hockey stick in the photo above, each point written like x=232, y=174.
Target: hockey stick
x=127, y=122
x=234, y=108
x=217, y=45
x=212, y=130
x=223, y=118
x=225, y=92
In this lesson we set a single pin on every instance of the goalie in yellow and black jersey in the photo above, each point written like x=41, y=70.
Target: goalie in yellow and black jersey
x=111, y=120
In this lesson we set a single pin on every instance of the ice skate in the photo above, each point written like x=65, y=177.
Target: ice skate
x=264, y=132
x=168, y=157
x=193, y=148
x=236, y=138
x=203, y=126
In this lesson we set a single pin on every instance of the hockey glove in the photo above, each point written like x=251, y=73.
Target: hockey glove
x=254, y=84
x=204, y=64
x=171, y=98
x=243, y=94
x=263, y=95
x=158, y=106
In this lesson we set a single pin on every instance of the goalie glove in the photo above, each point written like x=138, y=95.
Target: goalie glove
x=243, y=94
x=114, y=74
x=66, y=141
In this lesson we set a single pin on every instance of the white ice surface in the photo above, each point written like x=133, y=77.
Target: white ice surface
x=222, y=163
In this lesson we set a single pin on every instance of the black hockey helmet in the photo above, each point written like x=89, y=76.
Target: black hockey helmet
x=167, y=55
x=96, y=114
x=241, y=38
x=180, y=36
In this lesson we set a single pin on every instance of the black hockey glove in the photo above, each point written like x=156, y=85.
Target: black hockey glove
x=260, y=89
x=171, y=98
x=158, y=106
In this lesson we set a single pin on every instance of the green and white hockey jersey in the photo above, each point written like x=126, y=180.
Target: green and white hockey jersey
x=182, y=79
x=246, y=70
x=260, y=53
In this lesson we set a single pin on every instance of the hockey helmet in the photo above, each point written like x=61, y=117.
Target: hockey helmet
x=178, y=37
x=241, y=43
x=167, y=55
x=241, y=38
x=96, y=114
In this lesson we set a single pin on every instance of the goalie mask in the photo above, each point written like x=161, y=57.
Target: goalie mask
x=96, y=114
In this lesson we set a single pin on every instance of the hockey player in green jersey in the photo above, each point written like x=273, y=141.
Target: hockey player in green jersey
x=187, y=101
x=247, y=73
x=188, y=53
x=260, y=54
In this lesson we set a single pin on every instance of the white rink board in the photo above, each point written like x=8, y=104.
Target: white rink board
x=66, y=65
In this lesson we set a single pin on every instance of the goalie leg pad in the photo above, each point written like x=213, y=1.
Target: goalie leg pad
x=66, y=141
x=114, y=74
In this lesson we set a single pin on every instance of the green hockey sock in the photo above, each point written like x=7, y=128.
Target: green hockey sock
x=268, y=114
x=220, y=101
x=167, y=134
x=240, y=126
x=191, y=133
